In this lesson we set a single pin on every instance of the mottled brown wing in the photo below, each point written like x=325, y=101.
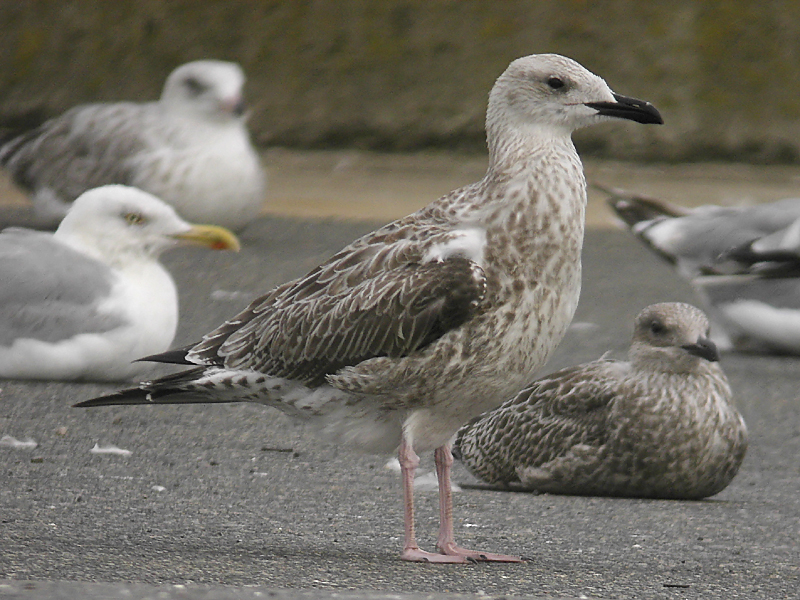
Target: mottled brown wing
x=307, y=330
x=86, y=147
x=543, y=422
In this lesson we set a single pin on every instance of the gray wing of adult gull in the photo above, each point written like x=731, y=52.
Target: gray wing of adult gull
x=744, y=263
x=713, y=239
x=86, y=147
x=49, y=292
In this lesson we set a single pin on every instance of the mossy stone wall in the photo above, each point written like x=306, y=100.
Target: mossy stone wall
x=405, y=74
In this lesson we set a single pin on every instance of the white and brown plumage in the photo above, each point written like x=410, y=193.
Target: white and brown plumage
x=190, y=148
x=412, y=330
x=661, y=425
x=743, y=262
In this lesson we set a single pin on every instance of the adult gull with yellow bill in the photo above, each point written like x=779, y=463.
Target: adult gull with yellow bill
x=87, y=300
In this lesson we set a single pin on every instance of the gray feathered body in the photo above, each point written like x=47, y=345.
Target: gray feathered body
x=607, y=428
x=86, y=147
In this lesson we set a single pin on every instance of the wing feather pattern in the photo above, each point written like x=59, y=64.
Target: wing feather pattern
x=376, y=297
x=392, y=314
x=49, y=292
x=543, y=423
x=86, y=147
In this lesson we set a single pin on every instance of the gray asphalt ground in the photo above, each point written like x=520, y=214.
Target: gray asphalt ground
x=234, y=501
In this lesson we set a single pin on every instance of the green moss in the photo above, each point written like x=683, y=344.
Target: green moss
x=30, y=42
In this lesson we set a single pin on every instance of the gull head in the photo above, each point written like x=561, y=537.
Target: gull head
x=553, y=94
x=672, y=337
x=209, y=89
x=118, y=222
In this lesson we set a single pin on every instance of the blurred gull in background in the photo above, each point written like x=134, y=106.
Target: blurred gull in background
x=743, y=262
x=190, y=148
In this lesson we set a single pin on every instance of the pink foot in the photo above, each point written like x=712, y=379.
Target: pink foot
x=417, y=555
x=477, y=555
x=448, y=551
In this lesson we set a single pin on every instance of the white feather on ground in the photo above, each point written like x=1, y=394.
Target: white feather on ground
x=743, y=262
x=110, y=449
x=190, y=148
x=87, y=300
x=662, y=425
x=11, y=442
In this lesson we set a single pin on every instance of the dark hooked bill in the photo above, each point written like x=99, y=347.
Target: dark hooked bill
x=633, y=109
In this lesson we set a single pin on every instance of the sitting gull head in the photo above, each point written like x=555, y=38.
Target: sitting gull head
x=116, y=221
x=210, y=89
x=672, y=337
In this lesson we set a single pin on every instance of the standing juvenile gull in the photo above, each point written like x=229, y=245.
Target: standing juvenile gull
x=87, y=300
x=743, y=262
x=410, y=331
x=660, y=426
x=191, y=148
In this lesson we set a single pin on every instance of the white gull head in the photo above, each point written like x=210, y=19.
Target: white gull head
x=208, y=89
x=117, y=220
x=549, y=95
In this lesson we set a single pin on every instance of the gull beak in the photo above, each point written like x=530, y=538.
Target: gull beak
x=628, y=108
x=216, y=238
x=234, y=105
x=704, y=348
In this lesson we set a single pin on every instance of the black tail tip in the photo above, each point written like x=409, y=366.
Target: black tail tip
x=122, y=397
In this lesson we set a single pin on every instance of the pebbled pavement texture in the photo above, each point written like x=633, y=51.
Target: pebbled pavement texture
x=234, y=501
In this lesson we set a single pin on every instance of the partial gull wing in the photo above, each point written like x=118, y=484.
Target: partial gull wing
x=86, y=147
x=50, y=292
x=712, y=239
x=542, y=424
x=744, y=263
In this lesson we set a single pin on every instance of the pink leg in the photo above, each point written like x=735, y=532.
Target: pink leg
x=447, y=543
x=411, y=551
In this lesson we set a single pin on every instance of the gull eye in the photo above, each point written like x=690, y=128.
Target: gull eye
x=133, y=218
x=555, y=83
x=657, y=327
x=195, y=86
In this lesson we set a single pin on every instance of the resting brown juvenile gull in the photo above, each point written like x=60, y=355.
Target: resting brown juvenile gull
x=413, y=329
x=743, y=262
x=191, y=148
x=88, y=300
x=662, y=425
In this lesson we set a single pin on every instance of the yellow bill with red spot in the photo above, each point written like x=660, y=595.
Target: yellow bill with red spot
x=212, y=236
